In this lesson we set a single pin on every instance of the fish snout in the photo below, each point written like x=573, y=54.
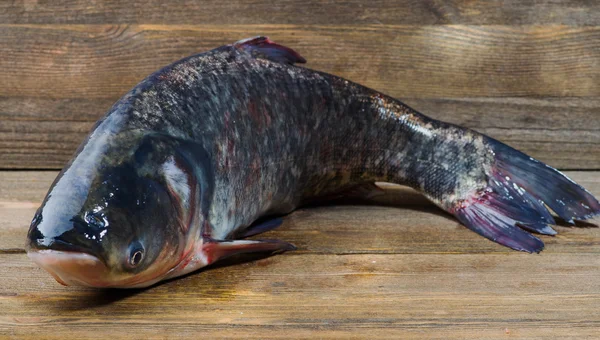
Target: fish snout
x=71, y=235
x=34, y=235
x=66, y=250
x=71, y=268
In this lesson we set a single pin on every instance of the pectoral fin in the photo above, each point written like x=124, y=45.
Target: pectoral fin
x=216, y=250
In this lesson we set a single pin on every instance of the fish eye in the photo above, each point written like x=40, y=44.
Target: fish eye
x=136, y=254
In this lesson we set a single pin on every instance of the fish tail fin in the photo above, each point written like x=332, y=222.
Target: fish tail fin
x=519, y=190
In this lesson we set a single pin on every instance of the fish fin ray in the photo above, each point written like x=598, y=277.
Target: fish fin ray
x=520, y=192
x=263, y=47
x=488, y=223
x=567, y=199
x=539, y=228
x=218, y=249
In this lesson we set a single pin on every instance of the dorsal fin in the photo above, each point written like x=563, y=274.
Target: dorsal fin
x=263, y=47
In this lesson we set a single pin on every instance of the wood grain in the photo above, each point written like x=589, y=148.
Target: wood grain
x=403, y=270
x=524, y=72
x=406, y=222
x=104, y=61
x=58, y=79
x=423, y=296
x=307, y=12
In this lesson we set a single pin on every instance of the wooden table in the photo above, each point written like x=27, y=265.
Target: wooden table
x=395, y=270
x=524, y=72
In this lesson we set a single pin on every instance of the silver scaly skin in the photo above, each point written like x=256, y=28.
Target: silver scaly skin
x=173, y=177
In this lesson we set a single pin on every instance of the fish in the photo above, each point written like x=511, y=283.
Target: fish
x=219, y=146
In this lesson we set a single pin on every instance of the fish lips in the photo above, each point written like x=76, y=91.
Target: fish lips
x=70, y=257
x=71, y=268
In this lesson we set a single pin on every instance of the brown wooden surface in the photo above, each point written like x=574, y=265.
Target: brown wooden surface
x=315, y=12
x=527, y=74
x=400, y=270
x=104, y=61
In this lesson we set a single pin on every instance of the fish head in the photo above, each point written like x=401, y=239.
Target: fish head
x=121, y=228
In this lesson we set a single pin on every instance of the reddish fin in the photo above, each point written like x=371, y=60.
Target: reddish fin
x=487, y=215
x=216, y=250
x=518, y=189
x=263, y=47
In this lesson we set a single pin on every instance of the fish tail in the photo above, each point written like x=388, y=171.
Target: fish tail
x=491, y=188
x=515, y=199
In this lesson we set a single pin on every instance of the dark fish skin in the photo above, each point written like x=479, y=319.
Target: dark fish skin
x=239, y=133
x=278, y=135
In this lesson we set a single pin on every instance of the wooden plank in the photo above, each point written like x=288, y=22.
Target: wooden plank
x=406, y=223
x=65, y=77
x=423, y=296
x=563, y=132
x=315, y=12
x=400, y=271
x=104, y=61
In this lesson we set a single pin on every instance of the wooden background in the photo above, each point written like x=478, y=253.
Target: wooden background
x=525, y=72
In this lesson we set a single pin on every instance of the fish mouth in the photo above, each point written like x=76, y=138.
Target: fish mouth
x=72, y=268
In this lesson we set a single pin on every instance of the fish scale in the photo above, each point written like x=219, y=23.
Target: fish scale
x=215, y=147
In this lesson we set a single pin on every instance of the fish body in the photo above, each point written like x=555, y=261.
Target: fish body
x=176, y=174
